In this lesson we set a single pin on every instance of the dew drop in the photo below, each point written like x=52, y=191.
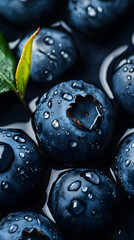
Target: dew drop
x=84, y=188
x=19, y=139
x=127, y=162
x=73, y=144
x=90, y=196
x=22, y=155
x=39, y=221
x=77, y=207
x=50, y=104
x=46, y=115
x=92, y=177
x=64, y=54
x=75, y=186
x=77, y=85
x=27, y=218
x=55, y=123
x=91, y=11
x=67, y=96
x=4, y=185
x=13, y=228
x=21, y=171
x=49, y=40
x=133, y=145
x=48, y=76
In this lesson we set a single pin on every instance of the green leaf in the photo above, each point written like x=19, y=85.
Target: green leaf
x=24, y=65
x=7, y=67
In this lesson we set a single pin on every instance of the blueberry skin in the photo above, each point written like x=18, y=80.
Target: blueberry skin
x=88, y=17
x=28, y=225
x=20, y=169
x=124, y=164
x=53, y=54
x=82, y=200
x=74, y=121
x=122, y=85
x=26, y=12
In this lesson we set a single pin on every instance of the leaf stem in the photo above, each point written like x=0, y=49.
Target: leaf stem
x=21, y=98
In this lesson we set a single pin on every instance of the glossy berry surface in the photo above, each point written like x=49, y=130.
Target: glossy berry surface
x=20, y=168
x=28, y=225
x=27, y=12
x=93, y=16
x=82, y=200
x=124, y=164
x=53, y=54
x=122, y=85
x=74, y=121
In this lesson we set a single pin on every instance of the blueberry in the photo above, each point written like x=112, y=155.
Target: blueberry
x=124, y=164
x=122, y=84
x=21, y=168
x=93, y=16
x=81, y=200
x=54, y=53
x=74, y=121
x=27, y=12
x=28, y=225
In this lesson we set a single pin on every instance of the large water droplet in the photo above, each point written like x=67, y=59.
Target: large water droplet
x=19, y=139
x=13, y=228
x=55, y=123
x=77, y=207
x=67, y=96
x=75, y=186
x=92, y=177
x=49, y=40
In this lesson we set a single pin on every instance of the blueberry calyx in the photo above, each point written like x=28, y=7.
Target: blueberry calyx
x=35, y=233
x=85, y=112
x=6, y=156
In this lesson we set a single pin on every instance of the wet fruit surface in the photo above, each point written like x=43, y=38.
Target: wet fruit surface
x=73, y=122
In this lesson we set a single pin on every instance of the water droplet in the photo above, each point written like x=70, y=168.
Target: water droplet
x=129, y=77
x=13, y=228
x=90, y=196
x=77, y=85
x=77, y=207
x=84, y=188
x=67, y=96
x=22, y=155
x=100, y=10
x=46, y=115
x=21, y=171
x=92, y=177
x=125, y=69
x=73, y=144
x=39, y=221
x=127, y=162
x=132, y=145
x=55, y=92
x=55, y=123
x=49, y=40
x=127, y=150
x=48, y=76
x=4, y=185
x=19, y=139
x=74, y=186
x=91, y=11
x=50, y=104
x=64, y=54
x=27, y=218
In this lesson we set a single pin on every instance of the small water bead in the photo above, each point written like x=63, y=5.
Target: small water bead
x=28, y=218
x=77, y=85
x=19, y=139
x=49, y=40
x=55, y=92
x=55, y=123
x=84, y=188
x=52, y=56
x=75, y=186
x=4, y=185
x=13, y=228
x=67, y=96
x=48, y=76
x=131, y=70
x=21, y=170
x=22, y=155
x=50, y=104
x=39, y=221
x=64, y=54
x=100, y=9
x=127, y=162
x=73, y=144
x=92, y=177
x=90, y=196
x=127, y=150
x=46, y=115
x=91, y=11
x=129, y=77
x=125, y=69
x=132, y=145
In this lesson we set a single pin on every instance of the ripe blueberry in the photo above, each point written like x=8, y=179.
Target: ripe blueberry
x=28, y=225
x=74, y=121
x=53, y=54
x=81, y=200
